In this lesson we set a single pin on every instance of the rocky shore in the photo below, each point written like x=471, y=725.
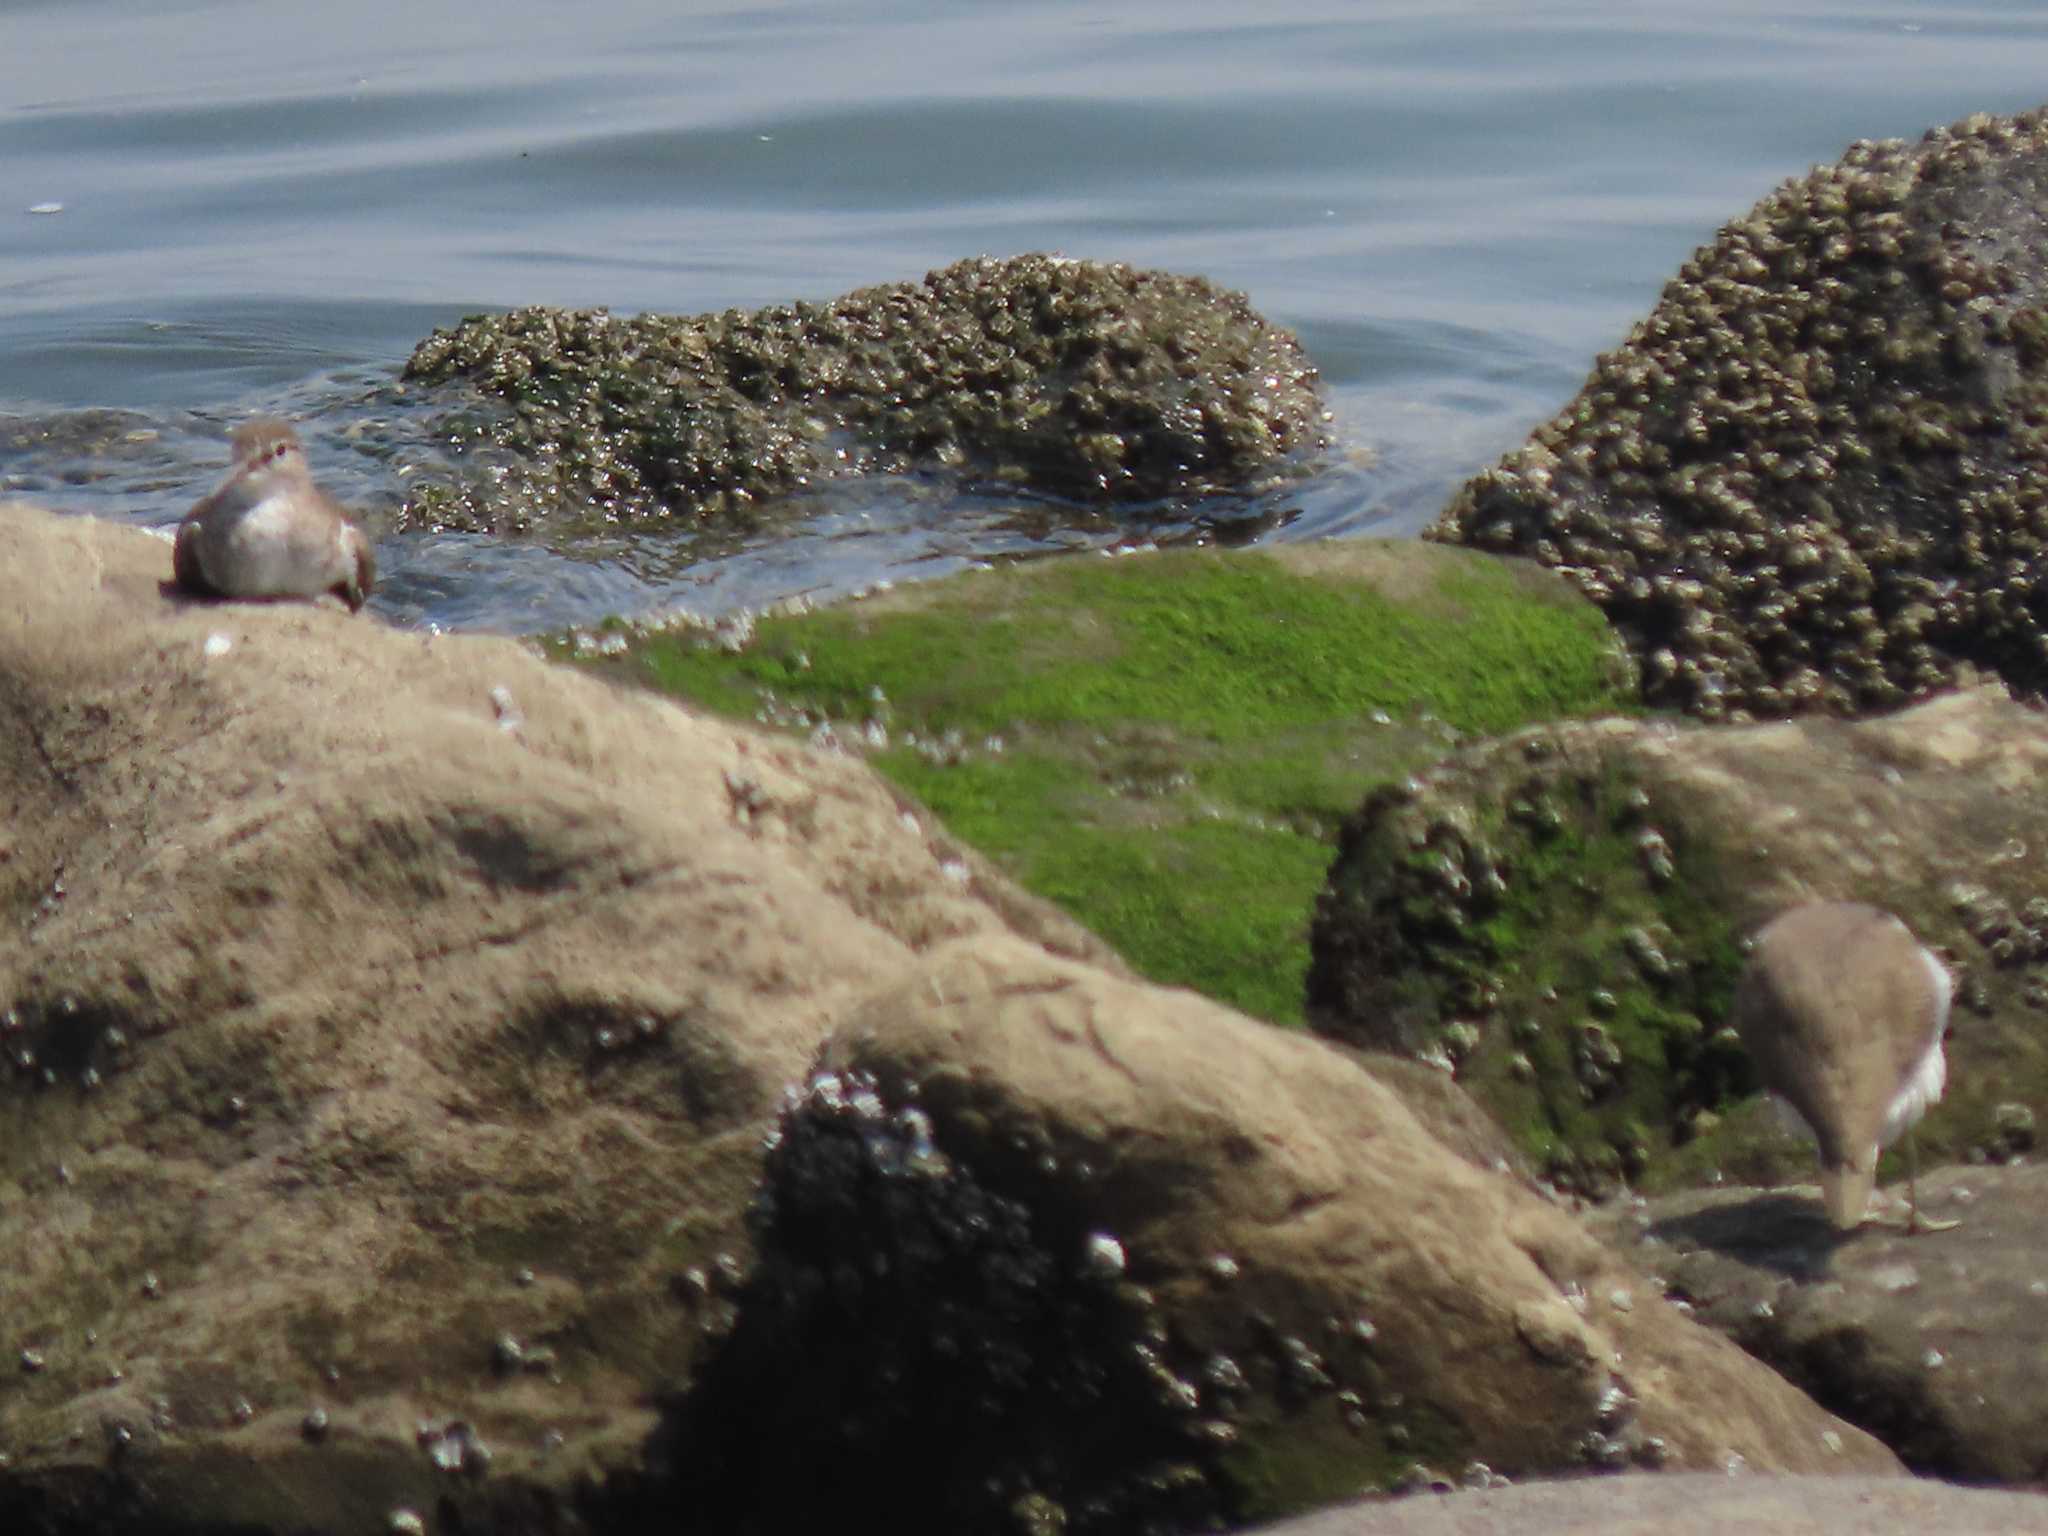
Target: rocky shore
x=398, y=1030
x=1147, y=1045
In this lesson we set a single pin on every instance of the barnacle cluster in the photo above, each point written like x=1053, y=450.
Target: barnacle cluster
x=1097, y=382
x=978, y=1362
x=1815, y=478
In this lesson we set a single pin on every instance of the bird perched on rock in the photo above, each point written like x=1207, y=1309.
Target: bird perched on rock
x=1843, y=1010
x=269, y=531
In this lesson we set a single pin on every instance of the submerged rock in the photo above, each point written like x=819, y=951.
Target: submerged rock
x=1816, y=476
x=1100, y=383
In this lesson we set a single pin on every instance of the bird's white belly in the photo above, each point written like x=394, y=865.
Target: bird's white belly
x=1924, y=1086
x=263, y=553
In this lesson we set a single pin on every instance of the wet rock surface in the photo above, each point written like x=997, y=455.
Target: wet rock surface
x=1816, y=476
x=394, y=1029
x=1932, y=1342
x=1074, y=379
x=1558, y=916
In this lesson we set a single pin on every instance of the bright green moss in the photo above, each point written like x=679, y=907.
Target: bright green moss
x=1165, y=744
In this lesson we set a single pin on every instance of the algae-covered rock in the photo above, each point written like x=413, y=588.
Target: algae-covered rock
x=1559, y=914
x=1165, y=743
x=1816, y=476
x=1098, y=382
x=1044, y=1250
x=1526, y=914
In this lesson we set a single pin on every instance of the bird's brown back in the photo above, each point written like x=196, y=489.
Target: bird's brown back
x=1836, y=1009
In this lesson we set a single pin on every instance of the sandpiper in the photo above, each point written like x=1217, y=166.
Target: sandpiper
x=269, y=531
x=1843, y=1010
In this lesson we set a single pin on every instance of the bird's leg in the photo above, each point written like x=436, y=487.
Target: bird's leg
x=1915, y=1222
x=1884, y=1205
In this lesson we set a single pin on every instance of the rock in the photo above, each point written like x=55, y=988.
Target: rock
x=1102, y=383
x=1698, y=1504
x=1039, y=1236
x=1576, y=896
x=1815, y=477
x=394, y=1027
x=1932, y=1343
x=367, y=996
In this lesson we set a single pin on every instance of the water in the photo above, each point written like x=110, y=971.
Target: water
x=1456, y=205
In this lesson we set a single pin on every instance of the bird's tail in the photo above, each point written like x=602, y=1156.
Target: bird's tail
x=1846, y=1190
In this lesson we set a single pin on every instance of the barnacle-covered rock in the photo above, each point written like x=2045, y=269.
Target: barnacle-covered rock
x=1815, y=477
x=1098, y=382
x=1305, y=1297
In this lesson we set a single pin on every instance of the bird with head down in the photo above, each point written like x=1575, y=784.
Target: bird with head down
x=1843, y=1012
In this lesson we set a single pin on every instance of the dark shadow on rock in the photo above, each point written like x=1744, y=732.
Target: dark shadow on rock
x=1861, y=1378
x=913, y=1340
x=1786, y=1234
x=1930, y=1342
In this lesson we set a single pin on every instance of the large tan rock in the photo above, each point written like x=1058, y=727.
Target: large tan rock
x=348, y=976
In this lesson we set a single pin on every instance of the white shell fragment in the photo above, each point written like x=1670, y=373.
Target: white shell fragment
x=1103, y=1257
x=509, y=717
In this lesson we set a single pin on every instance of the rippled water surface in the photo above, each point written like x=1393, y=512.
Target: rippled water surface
x=212, y=209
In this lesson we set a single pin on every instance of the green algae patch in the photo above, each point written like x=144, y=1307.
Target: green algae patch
x=1287, y=1472
x=1291, y=1463
x=1531, y=919
x=1165, y=744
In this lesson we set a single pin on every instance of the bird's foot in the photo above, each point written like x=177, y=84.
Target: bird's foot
x=1885, y=1212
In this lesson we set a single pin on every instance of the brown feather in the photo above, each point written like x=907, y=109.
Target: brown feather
x=1839, y=1010
x=255, y=440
